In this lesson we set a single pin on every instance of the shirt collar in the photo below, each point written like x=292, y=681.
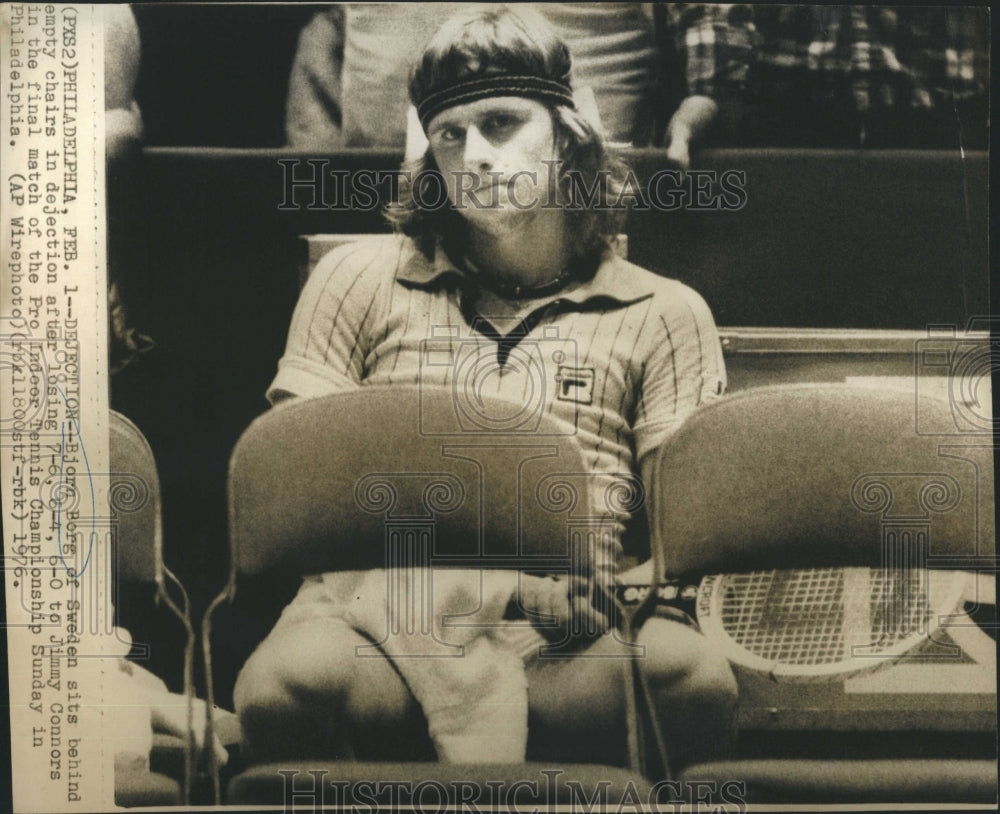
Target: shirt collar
x=420, y=272
x=615, y=279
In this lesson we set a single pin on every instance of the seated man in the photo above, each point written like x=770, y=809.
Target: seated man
x=509, y=259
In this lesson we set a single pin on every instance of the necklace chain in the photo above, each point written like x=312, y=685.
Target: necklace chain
x=521, y=292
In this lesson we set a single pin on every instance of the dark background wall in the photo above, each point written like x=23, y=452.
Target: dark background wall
x=217, y=74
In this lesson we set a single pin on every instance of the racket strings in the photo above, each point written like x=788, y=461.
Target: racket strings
x=792, y=617
x=900, y=605
x=820, y=616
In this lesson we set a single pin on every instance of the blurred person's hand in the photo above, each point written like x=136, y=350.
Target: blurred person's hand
x=688, y=124
x=170, y=716
x=122, y=131
x=679, y=151
x=168, y=711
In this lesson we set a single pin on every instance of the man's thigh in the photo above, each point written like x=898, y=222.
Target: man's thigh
x=317, y=669
x=577, y=709
x=576, y=703
x=323, y=657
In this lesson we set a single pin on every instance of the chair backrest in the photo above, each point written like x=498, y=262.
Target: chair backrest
x=330, y=483
x=820, y=475
x=134, y=500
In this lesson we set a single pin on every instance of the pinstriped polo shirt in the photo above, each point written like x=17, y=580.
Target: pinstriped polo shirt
x=620, y=359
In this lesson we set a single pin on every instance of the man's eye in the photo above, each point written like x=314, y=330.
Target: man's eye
x=499, y=123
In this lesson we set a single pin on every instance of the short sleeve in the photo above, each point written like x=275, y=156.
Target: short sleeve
x=327, y=340
x=683, y=368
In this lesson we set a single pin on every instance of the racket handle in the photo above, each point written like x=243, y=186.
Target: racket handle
x=674, y=600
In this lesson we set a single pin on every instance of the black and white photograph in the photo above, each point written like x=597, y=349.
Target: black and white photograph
x=497, y=407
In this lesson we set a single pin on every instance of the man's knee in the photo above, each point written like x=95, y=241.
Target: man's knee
x=694, y=689
x=680, y=660
x=330, y=672
x=289, y=671
x=710, y=682
x=264, y=703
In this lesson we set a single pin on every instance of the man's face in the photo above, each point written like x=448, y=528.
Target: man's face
x=493, y=155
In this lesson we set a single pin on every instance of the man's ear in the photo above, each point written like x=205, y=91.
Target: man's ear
x=586, y=109
x=586, y=106
x=416, y=139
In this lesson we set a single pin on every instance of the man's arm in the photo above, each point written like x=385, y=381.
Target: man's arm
x=683, y=367
x=327, y=342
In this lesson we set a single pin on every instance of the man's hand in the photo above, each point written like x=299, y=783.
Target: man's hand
x=565, y=607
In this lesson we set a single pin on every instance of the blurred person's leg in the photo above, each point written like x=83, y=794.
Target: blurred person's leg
x=615, y=55
x=314, y=108
x=694, y=691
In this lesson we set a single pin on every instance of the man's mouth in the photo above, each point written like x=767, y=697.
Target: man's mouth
x=486, y=186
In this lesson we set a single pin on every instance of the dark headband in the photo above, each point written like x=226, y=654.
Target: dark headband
x=534, y=87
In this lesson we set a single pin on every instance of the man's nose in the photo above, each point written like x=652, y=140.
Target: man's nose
x=478, y=151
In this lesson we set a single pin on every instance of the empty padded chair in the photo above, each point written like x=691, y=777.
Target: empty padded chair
x=817, y=476
x=134, y=501
x=379, y=478
x=134, y=497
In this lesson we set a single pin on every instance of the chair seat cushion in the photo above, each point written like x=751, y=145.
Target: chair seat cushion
x=437, y=784
x=855, y=781
x=143, y=788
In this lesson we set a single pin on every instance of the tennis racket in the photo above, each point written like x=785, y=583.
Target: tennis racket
x=816, y=624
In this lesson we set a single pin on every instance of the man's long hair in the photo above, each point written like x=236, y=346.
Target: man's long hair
x=504, y=41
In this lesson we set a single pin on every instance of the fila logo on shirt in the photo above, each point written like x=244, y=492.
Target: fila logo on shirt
x=575, y=384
